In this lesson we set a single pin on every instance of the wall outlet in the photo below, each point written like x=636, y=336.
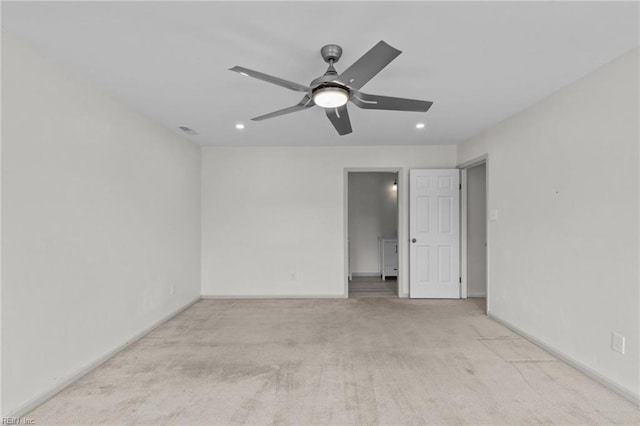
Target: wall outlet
x=171, y=289
x=292, y=277
x=617, y=342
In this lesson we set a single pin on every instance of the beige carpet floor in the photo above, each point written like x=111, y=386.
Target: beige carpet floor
x=359, y=361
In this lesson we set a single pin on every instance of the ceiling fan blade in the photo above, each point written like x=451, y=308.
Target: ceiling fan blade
x=370, y=64
x=339, y=117
x=270, y=79
x=305, y=103
x=366, y=101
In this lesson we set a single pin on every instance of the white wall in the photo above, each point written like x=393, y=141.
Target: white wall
x=476, y=231
x=273, y=219
x=373, y=216
x=100, y=219
x=563, y=176
x=1, y=407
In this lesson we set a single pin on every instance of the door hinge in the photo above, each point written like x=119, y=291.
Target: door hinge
x=459, y=186
x=460, y=280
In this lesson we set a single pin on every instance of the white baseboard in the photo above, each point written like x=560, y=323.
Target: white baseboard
x=274, y=296
x=622, y=391
x=476, y=294
x=48, y=394
x=366, y=274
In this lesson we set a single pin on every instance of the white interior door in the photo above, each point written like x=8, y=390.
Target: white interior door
x=434, y=230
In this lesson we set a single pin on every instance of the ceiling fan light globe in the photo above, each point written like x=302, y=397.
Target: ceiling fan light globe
x=330, y=97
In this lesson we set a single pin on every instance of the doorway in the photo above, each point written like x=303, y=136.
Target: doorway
x=474, y=217
x=372, y=234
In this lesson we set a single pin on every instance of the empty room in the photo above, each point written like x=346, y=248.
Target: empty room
x=334, y=213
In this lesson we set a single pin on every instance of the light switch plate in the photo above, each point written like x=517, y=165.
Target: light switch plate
x=493, y=215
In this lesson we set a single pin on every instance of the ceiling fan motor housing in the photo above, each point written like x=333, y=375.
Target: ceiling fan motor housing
x=320, y=85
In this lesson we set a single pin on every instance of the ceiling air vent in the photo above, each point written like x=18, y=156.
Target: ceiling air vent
x=188, y=130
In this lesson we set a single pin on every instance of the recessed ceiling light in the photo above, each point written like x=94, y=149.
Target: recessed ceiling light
x=239, y=126
x=420, y=126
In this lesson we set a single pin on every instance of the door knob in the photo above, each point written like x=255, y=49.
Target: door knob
x=413, y=240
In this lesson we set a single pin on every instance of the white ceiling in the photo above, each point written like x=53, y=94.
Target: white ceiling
x=479, y=62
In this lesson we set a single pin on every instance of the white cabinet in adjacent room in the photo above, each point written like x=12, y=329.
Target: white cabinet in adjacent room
x=389, y=259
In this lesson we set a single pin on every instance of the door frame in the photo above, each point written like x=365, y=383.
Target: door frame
x=464, y=167
x=402, y=223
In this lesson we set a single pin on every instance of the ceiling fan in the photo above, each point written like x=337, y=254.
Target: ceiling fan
x=332, y=91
